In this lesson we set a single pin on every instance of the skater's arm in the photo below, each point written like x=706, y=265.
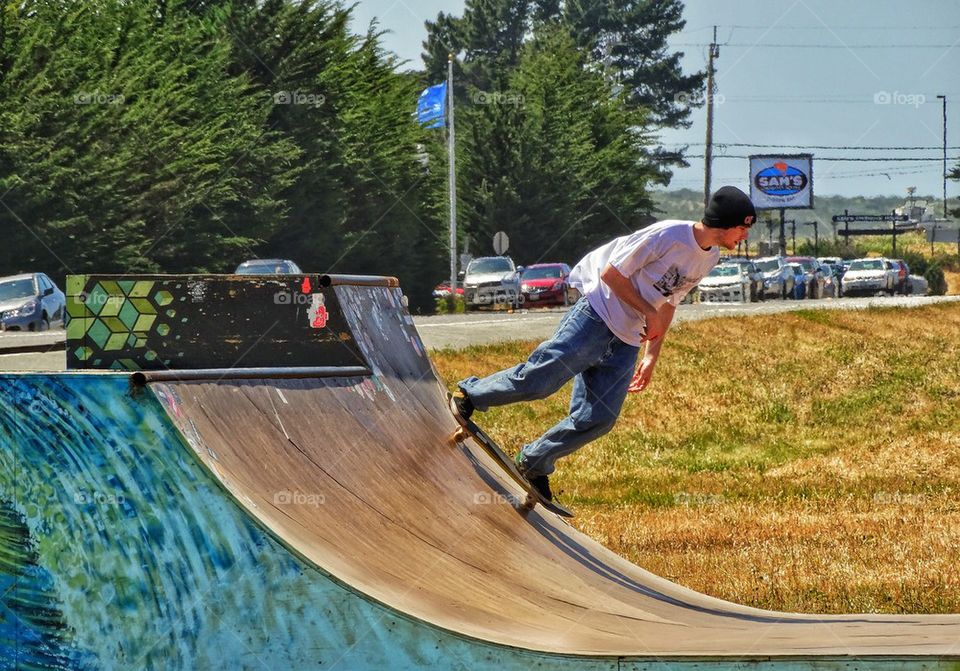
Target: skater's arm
x=649, y=361
x=623, y=289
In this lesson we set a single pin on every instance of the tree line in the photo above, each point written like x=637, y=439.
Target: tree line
x=189, y=135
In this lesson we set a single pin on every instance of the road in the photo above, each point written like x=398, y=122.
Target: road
x=484, y=328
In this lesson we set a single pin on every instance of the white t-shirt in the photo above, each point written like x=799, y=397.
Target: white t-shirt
x=662, y=261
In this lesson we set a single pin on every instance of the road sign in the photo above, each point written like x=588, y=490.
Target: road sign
x=841, y=218
x=938, y=234
x=501, y=243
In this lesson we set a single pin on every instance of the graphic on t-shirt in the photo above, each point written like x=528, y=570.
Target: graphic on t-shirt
x=673, y=282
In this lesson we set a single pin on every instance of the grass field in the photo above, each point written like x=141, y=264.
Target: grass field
x=806, y=461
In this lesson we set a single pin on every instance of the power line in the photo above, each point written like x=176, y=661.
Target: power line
x=882, y=159
x=821, y=27
x=807, y=45
x=810, y=146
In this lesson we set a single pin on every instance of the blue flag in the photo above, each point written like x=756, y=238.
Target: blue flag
x=432, y=106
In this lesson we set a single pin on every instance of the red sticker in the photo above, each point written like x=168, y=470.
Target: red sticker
x=305, y=287
x=320, y=320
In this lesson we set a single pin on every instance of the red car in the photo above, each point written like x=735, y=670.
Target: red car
x=443, y=289
x=547, y=284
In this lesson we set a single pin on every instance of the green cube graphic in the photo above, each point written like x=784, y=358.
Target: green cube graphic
x=114, y=304
x=128, y=314
x=78, y=327
x=98, y=333
x=143, y=306
x=75, y=284
x=96, y=299
x=141, y=289
x=162, y=298
x=115, y=341
x=144, y=322
x=77, y=309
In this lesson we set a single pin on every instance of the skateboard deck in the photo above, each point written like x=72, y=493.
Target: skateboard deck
x=469, y=428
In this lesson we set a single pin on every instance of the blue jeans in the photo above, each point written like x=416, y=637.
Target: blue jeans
x=583, y=348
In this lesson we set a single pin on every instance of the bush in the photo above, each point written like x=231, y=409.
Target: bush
x=448, y=305
x=918, y=262
x=937, y=283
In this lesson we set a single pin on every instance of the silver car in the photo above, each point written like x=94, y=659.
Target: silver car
x=778, y=278
x=30, y=302
x=489, y=280
x=869, y=276
x=268, y=267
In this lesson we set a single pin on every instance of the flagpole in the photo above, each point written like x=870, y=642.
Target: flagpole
x=453, y=183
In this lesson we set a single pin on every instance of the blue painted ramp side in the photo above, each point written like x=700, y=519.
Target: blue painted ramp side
x=128, y=555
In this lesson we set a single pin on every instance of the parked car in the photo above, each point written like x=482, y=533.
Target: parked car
x=815, y=279
x=799, y=281
x=726, y=283
x=755, y=274
x=831, y=282
x=869, y=276
x=268, y=267
x=547, y=283
x=30, y=302
x=903, y=285
x=778, y=279
x=836, y=265
x=442, y=290
x=491, y=279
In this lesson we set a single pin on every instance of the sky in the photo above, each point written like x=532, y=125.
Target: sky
x=795, y=74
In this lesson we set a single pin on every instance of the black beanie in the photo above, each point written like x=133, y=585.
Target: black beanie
x=729, y=207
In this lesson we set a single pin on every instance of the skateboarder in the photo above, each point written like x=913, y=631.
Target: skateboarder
x=631, y=287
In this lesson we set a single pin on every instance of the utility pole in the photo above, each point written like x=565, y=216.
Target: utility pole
x=783, y=233
x=816, y=236
x=451, y=149
x=944, y=99
x=708, y=150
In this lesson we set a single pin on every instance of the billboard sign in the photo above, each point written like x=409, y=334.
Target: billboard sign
x=781, y=181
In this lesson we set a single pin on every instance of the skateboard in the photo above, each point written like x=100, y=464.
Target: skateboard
x=468, y=428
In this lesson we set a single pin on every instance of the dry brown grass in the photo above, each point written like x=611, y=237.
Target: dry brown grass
x=953, y=282
x=806, y=461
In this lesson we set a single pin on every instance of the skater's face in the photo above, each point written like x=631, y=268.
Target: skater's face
x=733, y=236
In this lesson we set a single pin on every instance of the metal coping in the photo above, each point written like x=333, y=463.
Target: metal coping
x=359, y=280
x=141, y=378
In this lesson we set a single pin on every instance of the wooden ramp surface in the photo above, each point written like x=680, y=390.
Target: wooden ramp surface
x=359, y=476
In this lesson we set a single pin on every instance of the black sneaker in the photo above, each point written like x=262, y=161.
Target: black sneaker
x=463, y=405
x=541, y=482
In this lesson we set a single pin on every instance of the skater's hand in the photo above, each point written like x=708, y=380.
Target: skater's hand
x=642, y=377
x=654, y=327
